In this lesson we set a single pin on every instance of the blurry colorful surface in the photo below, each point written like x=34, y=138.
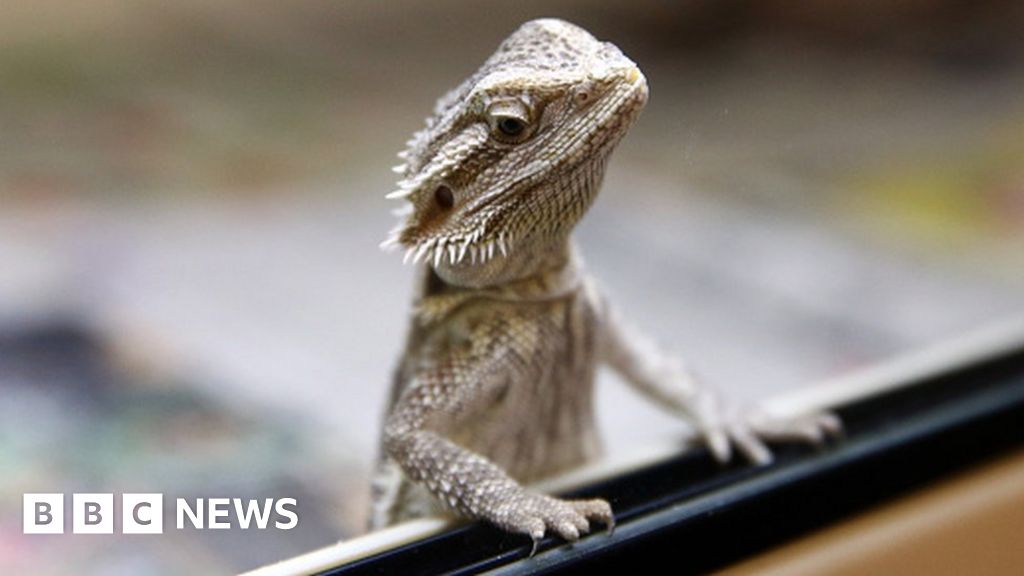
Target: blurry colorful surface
x=191, y=195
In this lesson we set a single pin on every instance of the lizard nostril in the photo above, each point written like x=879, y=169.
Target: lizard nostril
x=444, y=197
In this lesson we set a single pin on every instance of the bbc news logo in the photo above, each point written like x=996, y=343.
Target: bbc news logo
x=144, y=513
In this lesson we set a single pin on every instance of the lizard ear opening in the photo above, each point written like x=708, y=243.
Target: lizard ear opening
x=444, y=197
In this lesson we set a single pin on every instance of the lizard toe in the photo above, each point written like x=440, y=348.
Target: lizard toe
x=535, y=528
x=830, y=423
x=750, y=444
x=567, y=530
x=580, y=522
x=595, y=509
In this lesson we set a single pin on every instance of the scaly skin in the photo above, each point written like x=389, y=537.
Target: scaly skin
x=495, y=388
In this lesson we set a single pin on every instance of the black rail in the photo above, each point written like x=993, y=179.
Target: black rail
x=699, y=516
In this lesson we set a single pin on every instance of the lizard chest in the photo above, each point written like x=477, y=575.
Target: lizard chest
x=539, y=419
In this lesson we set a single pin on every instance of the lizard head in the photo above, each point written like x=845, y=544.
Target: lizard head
x=511, y=159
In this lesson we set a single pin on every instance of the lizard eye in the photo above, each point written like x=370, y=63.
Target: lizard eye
x=509, y=121
x=510, y=126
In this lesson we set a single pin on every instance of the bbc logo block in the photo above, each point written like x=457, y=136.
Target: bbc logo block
x=43, y=513
x=92, y=513
x=142, y=513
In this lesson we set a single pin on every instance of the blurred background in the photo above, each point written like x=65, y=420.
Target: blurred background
x=191, y=196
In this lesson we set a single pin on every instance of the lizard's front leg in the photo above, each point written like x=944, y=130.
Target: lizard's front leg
x=456, y=389
x=667, y=381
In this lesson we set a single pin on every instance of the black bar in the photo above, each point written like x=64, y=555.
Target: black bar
x=698, y=516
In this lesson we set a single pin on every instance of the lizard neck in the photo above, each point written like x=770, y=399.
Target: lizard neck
x=558, y=278
x=530, y=272
x=530, y=260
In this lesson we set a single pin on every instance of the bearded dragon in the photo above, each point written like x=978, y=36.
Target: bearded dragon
x=495, y=388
